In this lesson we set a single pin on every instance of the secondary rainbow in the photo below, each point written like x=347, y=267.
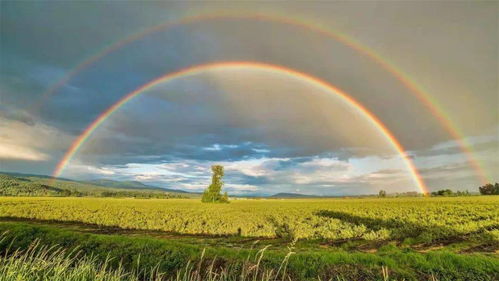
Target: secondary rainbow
x=431, y=103
x=80, y=140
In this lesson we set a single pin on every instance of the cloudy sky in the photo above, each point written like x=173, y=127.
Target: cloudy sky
x=272, y=131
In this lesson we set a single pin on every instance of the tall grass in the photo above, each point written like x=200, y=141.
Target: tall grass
x=39, y=262
x=54, y=263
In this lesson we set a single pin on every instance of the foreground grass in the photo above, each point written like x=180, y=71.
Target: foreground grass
x=39, y=262
x=54, y=263
x=105, y=257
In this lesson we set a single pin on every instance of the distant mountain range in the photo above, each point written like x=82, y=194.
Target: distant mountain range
x=293, y=195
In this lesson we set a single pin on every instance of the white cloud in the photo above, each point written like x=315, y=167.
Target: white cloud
x=261, y=150
x=219, y=147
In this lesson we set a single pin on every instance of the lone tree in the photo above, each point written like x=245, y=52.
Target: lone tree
x=213, y=194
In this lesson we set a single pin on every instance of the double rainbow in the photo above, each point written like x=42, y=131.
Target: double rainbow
x=237, y=65
x=431, y=104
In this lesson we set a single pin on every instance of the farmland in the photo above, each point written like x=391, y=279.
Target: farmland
x=415, y=238
x=418, y=219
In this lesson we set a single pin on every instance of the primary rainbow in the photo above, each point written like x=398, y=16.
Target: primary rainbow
x=80, y=140
x=431, y=103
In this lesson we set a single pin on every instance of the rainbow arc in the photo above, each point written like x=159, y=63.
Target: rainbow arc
x=385, y=132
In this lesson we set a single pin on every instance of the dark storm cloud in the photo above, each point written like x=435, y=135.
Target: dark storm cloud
x=95, y=89
x=62, y=33
x=40, y=37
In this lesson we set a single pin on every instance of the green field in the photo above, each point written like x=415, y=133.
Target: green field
x=355, y=239
x=418, y=219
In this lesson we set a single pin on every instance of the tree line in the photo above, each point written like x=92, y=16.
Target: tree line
x=487, y=189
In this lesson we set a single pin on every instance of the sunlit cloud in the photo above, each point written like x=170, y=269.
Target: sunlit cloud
x=12, y=151
x=22, y=140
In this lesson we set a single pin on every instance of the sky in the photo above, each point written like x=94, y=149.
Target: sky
x=273, y=131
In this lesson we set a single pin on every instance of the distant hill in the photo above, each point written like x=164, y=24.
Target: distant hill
x=16, y=184
x=292, y=195
x=131, y=185
x=13, y=186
